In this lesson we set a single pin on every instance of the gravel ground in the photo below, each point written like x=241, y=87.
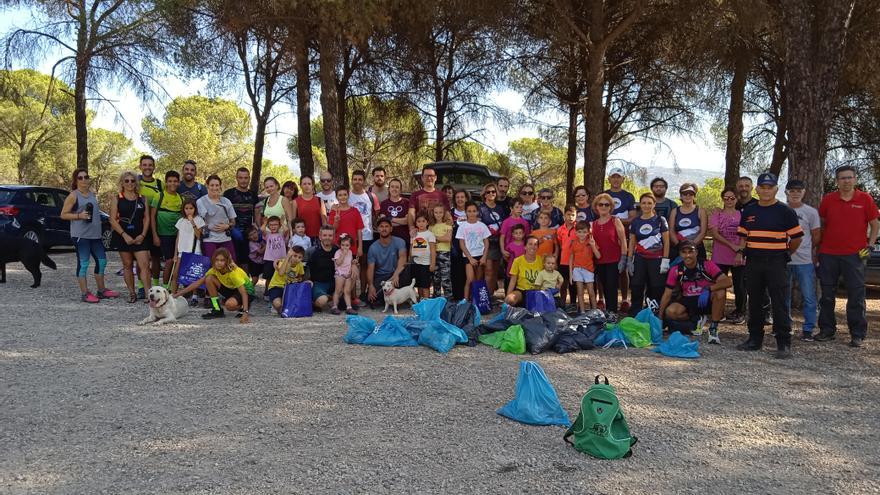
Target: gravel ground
x=92, y=403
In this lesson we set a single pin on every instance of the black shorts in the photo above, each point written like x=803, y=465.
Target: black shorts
x=690, y=303
x=275, y=293
x=155, y=251
x=168, y=245
x=254, y=269
x=268, y=270
x=367, y=245
x=228, y=293
x=422, y=274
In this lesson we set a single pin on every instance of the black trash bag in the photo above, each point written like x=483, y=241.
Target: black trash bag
x=462, y=315
x=590, y=324
x=516, y=315
x=556, y=320
x=571, y=341
x=539, y=335
x=495, y=326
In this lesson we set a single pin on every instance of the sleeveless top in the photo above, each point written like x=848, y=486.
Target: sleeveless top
x=276, y=210
x=86, y=229
x=310, y=211
x=607, y=241
x=131, y=214
x=687, y=225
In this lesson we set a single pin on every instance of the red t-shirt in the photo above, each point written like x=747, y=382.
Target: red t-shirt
x=350, y=222
x=845, y=223
x=423, y=201
x=310, y=212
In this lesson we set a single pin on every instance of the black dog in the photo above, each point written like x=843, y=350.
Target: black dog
x=28, y=252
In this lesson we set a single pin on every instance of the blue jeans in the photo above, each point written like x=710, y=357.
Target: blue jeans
x=806, y=280
x=86, y=248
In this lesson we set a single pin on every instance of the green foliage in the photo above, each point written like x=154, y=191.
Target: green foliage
x=709, y=194
x=280, y=172
x=540, y=163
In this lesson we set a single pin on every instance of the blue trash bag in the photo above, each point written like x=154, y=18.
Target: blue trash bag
x=414, y=326
x=429, y=309
x=480, y=296
x=648, y=316
x=540, y=301
x=611, y=337
x=536, y=402
x=297, y=300
x=679, y=346
x=359, y=328
x=501, y=314
x=442, y=336
x=390, y=333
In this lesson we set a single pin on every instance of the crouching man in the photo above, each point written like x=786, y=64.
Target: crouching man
x=694, y=289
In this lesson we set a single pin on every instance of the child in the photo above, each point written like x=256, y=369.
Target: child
x=473, y=237
x=288, y=270
x=507, y=226
x=516, y=247
x=564, y=235
x=165, y=211
x=545, y=235
x=343, y=260
x=581, y=264
x=423, y=255
x=274, y=236
x=224, y=279
x=441, y=227
x=189, y=231
x=299, y=237
x=549, y=278
x=256, y=248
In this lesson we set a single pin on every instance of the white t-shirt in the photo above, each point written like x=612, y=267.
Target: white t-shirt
x=529, y=211
x=186, y=235
x=299, y=240
x=329, y=199
x=421, y=247
x=808, y=218
x=365, y=205
x=473, y=235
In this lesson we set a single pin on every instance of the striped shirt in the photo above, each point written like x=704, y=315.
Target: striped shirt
x=768, y=229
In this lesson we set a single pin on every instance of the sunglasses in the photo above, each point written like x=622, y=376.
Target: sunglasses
x=491, y=192
x=546, y=197
x=688, y=193
x=606, y=205
x=82, y=177
x=729, y=198
x=126, y=181
x=581, y=195
x=527, y=193
x=326, y=180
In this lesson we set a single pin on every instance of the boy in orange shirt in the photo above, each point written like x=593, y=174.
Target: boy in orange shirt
x=583, y=252
x=546, y=236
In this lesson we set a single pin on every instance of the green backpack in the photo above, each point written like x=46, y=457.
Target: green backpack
x=600, y=429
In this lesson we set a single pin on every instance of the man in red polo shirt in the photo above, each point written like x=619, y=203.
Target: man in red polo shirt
x=846, y=215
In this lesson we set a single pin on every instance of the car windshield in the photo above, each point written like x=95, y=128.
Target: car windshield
x=462, y=179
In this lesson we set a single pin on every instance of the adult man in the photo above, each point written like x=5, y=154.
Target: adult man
x=772, y=233
x=321, y=267
x=150, y=189
x=694, y=289
x=503, y=186
x=802, y=266
x=189, y=188
x=379, y=189
x=664, y=205
x=744, y=193
x=523, y=273
x=243, y=201
x=367, y=205
x=846, y=215
x=625, y=209
x=164, y=214
x=327, y=194
x=385, y=261
x=427, y=197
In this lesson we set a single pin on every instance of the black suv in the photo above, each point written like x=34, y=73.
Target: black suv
x=27, y=211
x=461, y=175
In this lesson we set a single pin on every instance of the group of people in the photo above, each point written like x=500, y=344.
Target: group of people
x=347, y=240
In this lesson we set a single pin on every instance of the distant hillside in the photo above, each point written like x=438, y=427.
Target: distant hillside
x=677, y=178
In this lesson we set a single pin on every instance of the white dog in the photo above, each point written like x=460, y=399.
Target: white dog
x=163, y=307
x=394, y=295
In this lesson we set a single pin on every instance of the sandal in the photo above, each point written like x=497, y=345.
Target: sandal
x=132, y=297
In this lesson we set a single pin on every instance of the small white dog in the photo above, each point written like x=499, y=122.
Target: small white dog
x=397, y=295
x=163, y=307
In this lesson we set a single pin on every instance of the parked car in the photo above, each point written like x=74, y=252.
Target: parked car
x=461, y=175
x=34, y=212
x=872, y=272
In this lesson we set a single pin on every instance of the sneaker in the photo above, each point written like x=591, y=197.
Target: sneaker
x=735, y=317
x=241, y=313
x=713, y=336
x=748, y=345
x=783, y=352
x=856, y=342
x=358, y=303
x=334, y=311
x=107, y=294
x=824, y=337
x=624, y=307
x=698, y=330
x=141, y=293
x=88, y=297
x=351, y=311
x=214, y=313
x=768, y=319
x=193, y=302
x=807, y=337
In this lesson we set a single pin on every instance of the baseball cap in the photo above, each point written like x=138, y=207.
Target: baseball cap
x=767, y=179
x=686, y=244
x=616, y=170
x=795, y=184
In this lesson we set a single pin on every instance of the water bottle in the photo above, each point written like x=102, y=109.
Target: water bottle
x=90, y=208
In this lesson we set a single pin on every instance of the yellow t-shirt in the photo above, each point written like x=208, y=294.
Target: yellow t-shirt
x=294, y=274
x=233, y=279
x=439, y=230
x=526, y=272
x=547, y=280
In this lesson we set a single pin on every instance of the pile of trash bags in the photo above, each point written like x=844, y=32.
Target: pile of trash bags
x=518, y=331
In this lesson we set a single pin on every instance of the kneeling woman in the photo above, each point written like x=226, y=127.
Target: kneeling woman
x=225, y=279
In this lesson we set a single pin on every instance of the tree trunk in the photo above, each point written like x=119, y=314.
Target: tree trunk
x=439, y=141
x=81, y=113
x=303, y=108
x=733, y=154
x=780, y=153
x=259, y=145
x=327, y=51
x=815, y=37
x=594, y=111
x=341, y=110
x=571, y=156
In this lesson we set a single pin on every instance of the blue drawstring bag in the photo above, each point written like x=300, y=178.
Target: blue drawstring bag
x=480, y=296
x=540, y=301
x=536, y=402
x=191, y=268
x=390, y=333
x=429, y=309
x=679, y=346
x=647, y=316
x=297, y=300
x=359, y=328
x=611, y=337
x=442, y=336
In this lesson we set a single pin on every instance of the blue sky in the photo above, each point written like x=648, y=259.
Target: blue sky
x=684, y=151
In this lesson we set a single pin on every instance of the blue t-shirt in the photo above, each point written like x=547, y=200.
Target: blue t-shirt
x=385, y=257
x=585, y=215
x=649, y=236
x=624, y=202
x=493, y=217
x=195, y=192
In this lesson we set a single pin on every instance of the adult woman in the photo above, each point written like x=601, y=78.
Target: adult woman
x=723, y=225
x=688, y=221
x=289, y=190
x=218, y=214
x=492, y=214
x=648, y=254
x=457, y=263
x=545, y=198
x=585, y=211
x=130, y=221
x=275, y=204
x=611, y=240
x=310, y=208
x=527, y=195
x=395, y=208
x=81, y=209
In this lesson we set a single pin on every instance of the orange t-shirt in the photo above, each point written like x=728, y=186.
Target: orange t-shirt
x=564, y=235
x=546, y=241
x=583, y=254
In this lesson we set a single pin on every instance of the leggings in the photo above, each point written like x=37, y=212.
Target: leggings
x=86, y=248
x=608, y=276
x=737, y=273
x=572, y=286
x=457, y=275
x=442, y=280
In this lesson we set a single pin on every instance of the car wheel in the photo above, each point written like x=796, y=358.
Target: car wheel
x=32, y=235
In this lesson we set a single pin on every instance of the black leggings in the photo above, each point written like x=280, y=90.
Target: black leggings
x=739, y=286
x=608, y=276
x=566, y=281
x=457, y=275
x=646, y=276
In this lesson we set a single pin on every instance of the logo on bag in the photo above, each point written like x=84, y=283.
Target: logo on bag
x=599, y=429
